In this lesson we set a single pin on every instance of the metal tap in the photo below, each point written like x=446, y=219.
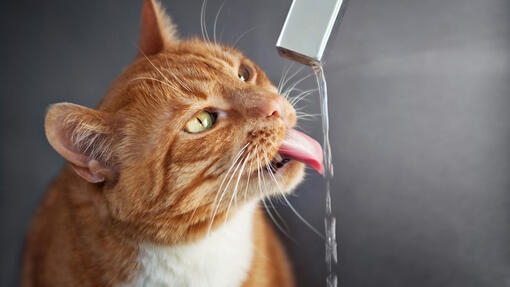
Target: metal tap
x=307, y=29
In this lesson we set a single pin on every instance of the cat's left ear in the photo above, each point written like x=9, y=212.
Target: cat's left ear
x=156, y=31
x=84, y=138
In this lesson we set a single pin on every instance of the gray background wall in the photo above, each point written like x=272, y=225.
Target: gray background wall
x=419, y=103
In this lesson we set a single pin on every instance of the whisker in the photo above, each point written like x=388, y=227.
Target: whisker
x=237, y=157
x=285, y=226
x=221, y=189
x=263, y=197
x=177, y=78
x=294, y=210
x=291, y=87
x=306, y=116
x=302, y=95
x=291, y=77
x=249, y=175
x=156, y=80
x=156, y=68
x=221, y=33
x=168, y=82
x=203, y=26
x=258, y=173
x=234, y=193
x=273, y=219
x=285, y=72
x=308, y=224
x=223, y=192
x=269, y=166
x=244, y=34
x=216, y=19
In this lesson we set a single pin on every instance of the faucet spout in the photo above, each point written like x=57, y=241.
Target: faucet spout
x=307, y=29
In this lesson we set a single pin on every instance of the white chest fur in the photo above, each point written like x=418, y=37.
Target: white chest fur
x=222, y=258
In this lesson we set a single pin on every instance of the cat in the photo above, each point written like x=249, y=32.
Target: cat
x=164, y=178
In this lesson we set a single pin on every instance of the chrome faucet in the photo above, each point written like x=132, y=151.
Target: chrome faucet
x=307, y=29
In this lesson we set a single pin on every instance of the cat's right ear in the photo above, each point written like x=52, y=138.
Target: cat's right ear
x=83, y=137
x=156, y=31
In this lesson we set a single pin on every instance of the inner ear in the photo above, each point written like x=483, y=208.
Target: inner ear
x=83, y=137
x=156, y=31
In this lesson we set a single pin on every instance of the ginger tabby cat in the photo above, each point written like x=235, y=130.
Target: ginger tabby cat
x=164, y=178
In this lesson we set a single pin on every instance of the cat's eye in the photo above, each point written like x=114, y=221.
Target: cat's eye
x=244, y=73
x=201, y=122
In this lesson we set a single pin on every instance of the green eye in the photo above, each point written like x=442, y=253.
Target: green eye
x=244, y=73
x=200, y=122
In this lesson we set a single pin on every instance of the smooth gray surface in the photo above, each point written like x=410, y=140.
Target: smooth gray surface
x=419, y=104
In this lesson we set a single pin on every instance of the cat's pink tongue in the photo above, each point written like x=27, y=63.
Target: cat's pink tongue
x=303, y=148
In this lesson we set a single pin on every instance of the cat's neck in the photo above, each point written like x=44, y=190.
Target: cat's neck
x=221, y=258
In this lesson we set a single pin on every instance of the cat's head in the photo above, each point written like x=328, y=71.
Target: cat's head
x=190, y=131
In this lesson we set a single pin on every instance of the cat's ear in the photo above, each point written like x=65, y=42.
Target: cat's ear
x=83, y=137
x=157, y=31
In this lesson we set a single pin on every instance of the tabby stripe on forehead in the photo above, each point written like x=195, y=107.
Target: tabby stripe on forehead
x=179, y=68
x=199, y=95
x=225, y=59
x=220, y=62
x=216, y=56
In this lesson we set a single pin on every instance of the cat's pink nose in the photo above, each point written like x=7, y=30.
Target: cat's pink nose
x=272, y=107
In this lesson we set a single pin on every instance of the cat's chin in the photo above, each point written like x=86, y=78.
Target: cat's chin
x=284, y=174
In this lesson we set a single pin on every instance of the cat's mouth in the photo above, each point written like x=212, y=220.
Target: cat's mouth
x=278, y=162
x=298, y=146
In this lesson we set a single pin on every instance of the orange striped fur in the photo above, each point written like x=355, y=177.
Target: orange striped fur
x=134, y=175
